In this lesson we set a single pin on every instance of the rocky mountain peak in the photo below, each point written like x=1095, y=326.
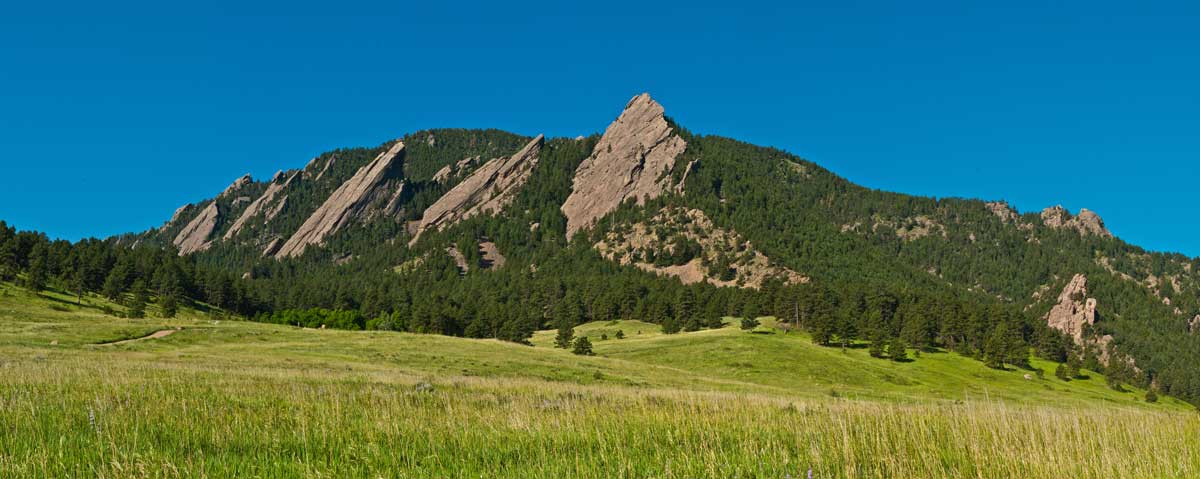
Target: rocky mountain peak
x=629, y=161
x=374, y=188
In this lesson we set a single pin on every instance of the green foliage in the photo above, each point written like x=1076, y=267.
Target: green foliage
x=582, y=346
x=748, y=324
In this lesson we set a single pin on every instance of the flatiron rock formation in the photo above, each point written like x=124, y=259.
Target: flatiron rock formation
x=487, y=190
x=629, y=161
x=260, y=205
x=195, y=236
x=357, y=199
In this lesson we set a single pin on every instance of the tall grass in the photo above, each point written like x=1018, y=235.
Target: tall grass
x=92, y=414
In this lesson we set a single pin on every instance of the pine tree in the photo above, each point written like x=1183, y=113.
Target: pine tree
x=1062, y=372
x=582, y=346
x=897, y=350
x=566, y=333
x=137, y=303
x=748, y=324
x=1151, y=396
x=35, y=277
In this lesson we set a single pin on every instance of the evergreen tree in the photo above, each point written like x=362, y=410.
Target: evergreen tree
x=137, y=302
x=566, y=333
x=35, y=277
x=582, y=346
x=897, y=349
x=748, y=324
x=1151, y=396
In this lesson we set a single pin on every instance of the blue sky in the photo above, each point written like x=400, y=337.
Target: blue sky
x=111, y=116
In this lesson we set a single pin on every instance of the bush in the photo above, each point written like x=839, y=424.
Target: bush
x=620, y=334
x=749, y=323
x=1151, y=396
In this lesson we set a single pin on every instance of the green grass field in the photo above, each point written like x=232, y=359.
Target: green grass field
x=227, y=398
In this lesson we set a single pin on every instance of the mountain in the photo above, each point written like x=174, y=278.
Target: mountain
x=485, y=233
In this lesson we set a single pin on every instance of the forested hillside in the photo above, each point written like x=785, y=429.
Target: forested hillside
x=670, y=228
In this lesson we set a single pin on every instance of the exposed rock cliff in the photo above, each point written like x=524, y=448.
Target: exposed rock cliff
x=486, y=191
x=267, y=202
x=373, y=189
x=195, y=236
x=629, y=161
x=1087, y=223
x=1074, y=309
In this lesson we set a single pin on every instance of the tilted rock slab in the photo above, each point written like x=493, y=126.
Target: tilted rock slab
x=353, y=200
x=260, y=204
x=195, y=236
x=488, y=190
x=629, y=161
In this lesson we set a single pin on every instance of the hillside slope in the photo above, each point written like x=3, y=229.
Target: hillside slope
x=222, y=397
x=855, y=264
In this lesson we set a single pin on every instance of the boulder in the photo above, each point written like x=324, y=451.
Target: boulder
x=359, y=198
x=629, y=161
x=486, y=191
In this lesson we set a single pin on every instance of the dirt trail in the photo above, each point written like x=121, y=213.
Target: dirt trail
x=155, y=335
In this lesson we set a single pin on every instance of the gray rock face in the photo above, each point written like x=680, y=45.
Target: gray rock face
x=1074, y=309
x=267, y=200
x=195, y=236
x=486, y=191
x=1087, y=223
x=629, y=161
x=358, y=198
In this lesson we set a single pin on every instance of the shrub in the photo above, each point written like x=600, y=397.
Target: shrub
x=749, y=323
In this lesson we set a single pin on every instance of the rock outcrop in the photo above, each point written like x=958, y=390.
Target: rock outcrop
x=1074, y=309
x=1087, y=223
x=630, y=161
x=237, y=185
x=266, y=203
x=451, y=171
x=1194, y=325
x=1003, y=211
x=486, y=191
x=359, y=198
x=195, y=236
x=695, y=250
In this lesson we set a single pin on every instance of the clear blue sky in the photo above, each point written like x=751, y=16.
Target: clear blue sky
x=113, y=115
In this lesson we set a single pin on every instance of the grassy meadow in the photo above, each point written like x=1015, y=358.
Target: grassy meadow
x=227, y=398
